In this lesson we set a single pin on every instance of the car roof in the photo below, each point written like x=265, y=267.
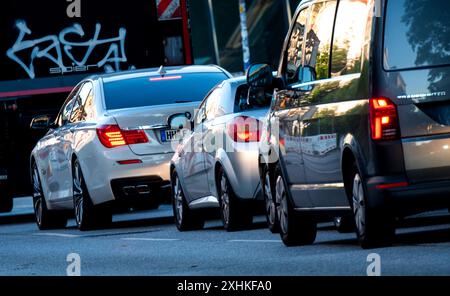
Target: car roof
x=170, y=70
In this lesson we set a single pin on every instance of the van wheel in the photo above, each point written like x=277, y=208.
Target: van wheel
x=295, y=228
x=235, y=215
x=185, y=218
x=45, y=219
x=345, y=224
x=6, y=202
x=375, y=227
x=269, y=201
x=87, y=216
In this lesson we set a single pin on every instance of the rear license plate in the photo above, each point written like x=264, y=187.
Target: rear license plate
x=171, y=135
x=3, y=177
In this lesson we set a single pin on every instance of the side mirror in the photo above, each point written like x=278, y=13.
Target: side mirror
x=180, y=121
x=43, y=122
x=259, y=75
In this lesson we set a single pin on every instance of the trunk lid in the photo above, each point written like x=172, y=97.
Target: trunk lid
x=154, y=121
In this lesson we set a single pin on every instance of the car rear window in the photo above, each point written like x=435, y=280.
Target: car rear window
x=255, y=99
x=416, y=34
x=157, y=90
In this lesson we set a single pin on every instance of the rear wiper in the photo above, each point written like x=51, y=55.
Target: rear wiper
x=182, y=101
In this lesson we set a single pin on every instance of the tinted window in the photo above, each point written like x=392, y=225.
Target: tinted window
x=349, y=34
x=148, y=91
x=64, y=113
x=78, y=112
x=255, y=99
x=417, y=34
x=89, y=108
x=295, y=48
x=318, y=41
x=212, y=104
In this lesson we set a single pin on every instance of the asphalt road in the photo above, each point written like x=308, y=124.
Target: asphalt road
x=147, y=243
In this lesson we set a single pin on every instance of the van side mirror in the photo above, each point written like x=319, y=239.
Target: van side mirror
x=42, y=122
x=259, y=75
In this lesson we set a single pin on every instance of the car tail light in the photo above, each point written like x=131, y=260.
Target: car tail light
x=383, y=119
x=112, y=136
x=244, y=129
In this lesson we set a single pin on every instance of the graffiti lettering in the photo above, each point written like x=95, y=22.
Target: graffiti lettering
x=62, y=47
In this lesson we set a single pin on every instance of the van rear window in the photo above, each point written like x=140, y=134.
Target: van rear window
x=416, y=34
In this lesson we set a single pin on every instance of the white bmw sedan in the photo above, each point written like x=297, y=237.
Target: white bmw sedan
x=110, y=145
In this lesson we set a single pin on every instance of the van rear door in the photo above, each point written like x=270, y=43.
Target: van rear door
x=416, y=57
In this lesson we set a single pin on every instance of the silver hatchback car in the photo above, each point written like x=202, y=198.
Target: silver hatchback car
x=216, y=164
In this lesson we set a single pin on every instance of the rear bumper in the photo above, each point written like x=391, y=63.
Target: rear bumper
x=104, y=174
x=408, y=198
x=131, y=191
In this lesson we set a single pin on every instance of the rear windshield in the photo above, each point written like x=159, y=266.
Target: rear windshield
x=255, y=99
x=148, y=91
x=417, y=34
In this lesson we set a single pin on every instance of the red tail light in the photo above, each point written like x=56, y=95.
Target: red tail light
x=112, y=136
x=383, y=119
x=244, y=129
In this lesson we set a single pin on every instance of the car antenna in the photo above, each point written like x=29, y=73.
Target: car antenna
x=162, y=71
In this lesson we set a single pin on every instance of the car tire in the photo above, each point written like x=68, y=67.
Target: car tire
x=296, y=229
x=269, y=201
x=45, y=218
x=375, y=226
x=235, y=214
x=185, y=218
x=87, y=216
x=6, y=201
x=345, y=224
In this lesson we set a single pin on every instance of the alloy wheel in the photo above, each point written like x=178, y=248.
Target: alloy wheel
x=282, y=202
x=359, y=205
x=37, y=195
x=178, y=200
x=270, y=205
x=225, y=199
x=78, y=193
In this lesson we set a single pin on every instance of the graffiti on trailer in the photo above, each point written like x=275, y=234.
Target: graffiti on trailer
x=61, y=47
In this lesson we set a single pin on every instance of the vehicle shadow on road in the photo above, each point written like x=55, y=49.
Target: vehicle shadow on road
x=141, y=222
x=16, y=219
x=253, y=226
x=419, y=236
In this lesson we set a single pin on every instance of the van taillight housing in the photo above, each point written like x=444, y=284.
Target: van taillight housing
x=112, y=136
x=383, y=119
x=244, y=129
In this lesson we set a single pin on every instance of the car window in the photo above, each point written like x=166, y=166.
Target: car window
x=416, y=34
x=65, y=115
x=89, y=108
x=66, y=109
x=212, y=109
x=153, y=90
x=294, y=50
x=200, y=114
x=349, y=34
x=318, y=41
x=256, y=98
x=78, y=112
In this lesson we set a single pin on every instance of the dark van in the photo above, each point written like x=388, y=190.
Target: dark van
x=361, y=114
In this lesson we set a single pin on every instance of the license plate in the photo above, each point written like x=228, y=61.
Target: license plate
x=171, y=135
x=3, y=177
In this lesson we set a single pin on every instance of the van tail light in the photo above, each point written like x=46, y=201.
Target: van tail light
x=383, y=119
x=112, y=136
x=244, y=129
